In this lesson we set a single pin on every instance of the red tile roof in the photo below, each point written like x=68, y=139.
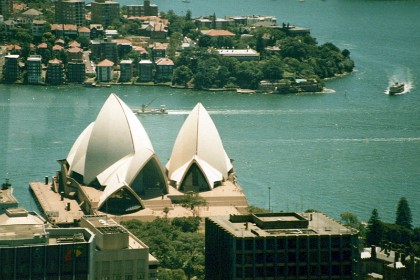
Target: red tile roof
x=217, y=32
x=54, y=61
x=74, y=44
x=70, y=27
x=164, y=61
x=42, y=46
x=84, y=29
x=57, y=48
x=105, y=63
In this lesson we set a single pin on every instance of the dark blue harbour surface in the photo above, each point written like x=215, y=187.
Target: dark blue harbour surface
x=351, y=150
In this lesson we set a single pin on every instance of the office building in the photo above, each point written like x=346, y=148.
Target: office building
x=30, y=250
x=119, y=254
x=280, y=246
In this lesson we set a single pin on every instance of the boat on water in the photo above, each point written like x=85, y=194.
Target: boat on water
x=145, y=110
x=245, y=91
x=396, y=88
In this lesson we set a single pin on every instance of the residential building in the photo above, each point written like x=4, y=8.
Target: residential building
x=57, y=30
x=104, y=49
x=104, y=71
x=70, y=12
x=74, y=53
x=70, y=30
x=9, y=27
x=164, y=69
x=159, y=51
x=104, y=12
x=389, y=263
x=38, y=27
x=83, y=32
x=30, y=250
x=145, y=70
x=124, y=48
x=146, y=9
x=76, y=71
x=280, y=246
x=214, y=33
x=126, y=71
x=119, y=254
x=240, y=54
x=29, y=16
x=6, y=8
x=11, y=68
x=55, y=72
x=96, y=31
x=33, y=70
x=42, y=50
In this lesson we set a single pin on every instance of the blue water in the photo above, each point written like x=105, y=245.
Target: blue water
x=351, y=150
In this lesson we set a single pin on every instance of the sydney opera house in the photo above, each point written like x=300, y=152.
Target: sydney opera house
x=112, y=166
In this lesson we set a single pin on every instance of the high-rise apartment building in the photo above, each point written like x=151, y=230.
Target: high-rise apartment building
x=280, y=246
x=70, y=12
x=142, y=10
x=11, y=68
x=55, y=72
x=6, y=8
x=34, y=70
x=104, y=12
x=126, y=71
x=76, y=71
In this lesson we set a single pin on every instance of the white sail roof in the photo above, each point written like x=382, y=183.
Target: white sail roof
x=113, y=149
x=199, y=141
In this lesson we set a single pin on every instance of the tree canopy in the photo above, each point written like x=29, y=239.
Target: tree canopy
x=404, y=214
x=374, y=232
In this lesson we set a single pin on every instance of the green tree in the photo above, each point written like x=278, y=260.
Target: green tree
x=404, y=214
x=351, y=220
x=192, y=200
x=273, y=69
x=182, y=75
x=374, y=233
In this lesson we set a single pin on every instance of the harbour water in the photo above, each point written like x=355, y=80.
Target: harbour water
x=352, y=150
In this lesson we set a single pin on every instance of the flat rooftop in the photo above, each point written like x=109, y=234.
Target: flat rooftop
x=6, y=195
x=281, y=224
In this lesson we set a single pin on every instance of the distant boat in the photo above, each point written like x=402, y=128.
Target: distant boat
x=186, y=1
x=144, y=110
x=245, y=91
x=396, y=88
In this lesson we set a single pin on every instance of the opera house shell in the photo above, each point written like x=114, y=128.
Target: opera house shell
x=198, y=161
x=114, y=157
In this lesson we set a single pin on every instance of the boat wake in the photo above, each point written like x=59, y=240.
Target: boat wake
x=405, y=79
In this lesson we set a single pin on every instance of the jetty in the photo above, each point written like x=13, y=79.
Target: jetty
x=58, y=209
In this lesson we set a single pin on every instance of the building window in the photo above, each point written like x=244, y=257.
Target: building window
x=291, y=257
x=313, y=243
x=303, y=270
x=281, y=244
x=292, y=243
x=249, y=244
